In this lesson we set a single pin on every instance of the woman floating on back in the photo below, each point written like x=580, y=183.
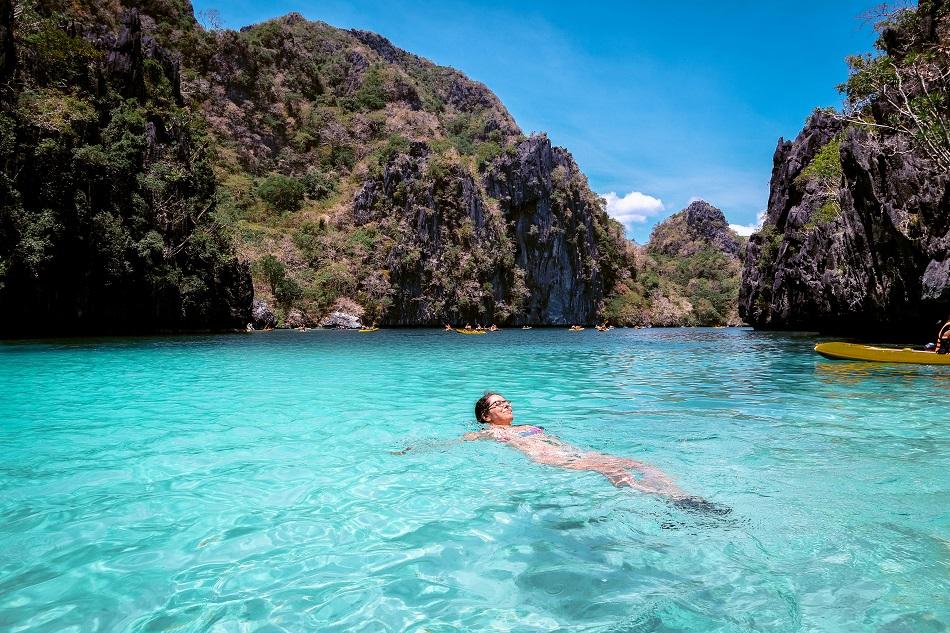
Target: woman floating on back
x=495, y=413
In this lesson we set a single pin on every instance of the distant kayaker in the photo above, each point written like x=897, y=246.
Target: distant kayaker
x=496, y=415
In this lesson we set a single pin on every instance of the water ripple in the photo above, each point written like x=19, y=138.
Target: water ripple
x=245, y=483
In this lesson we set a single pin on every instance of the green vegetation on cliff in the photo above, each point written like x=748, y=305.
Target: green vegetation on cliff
x=904, y=90
x=687, y=274
x=107, y=194
x=153, y=170
x=855, y=238
x=365, y=171
x=825, y=172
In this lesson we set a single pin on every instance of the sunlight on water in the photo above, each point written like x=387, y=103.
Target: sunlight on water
x=245, y=483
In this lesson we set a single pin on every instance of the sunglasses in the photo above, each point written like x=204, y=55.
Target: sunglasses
x=499, y=403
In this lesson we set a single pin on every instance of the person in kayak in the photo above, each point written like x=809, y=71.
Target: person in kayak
x=496, y=415
x=943, y=338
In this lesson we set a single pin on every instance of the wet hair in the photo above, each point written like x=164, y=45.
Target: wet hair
x=481, y=407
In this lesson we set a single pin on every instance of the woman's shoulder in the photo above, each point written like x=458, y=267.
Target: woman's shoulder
x=481, y=434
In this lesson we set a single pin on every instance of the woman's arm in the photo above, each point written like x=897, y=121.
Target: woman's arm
x=441, y=445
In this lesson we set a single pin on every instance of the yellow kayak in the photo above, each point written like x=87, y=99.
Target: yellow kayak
x=853, y=351
x=464, y=331
x=369, y=329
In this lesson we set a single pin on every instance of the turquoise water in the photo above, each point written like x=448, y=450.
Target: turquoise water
x=245, y=483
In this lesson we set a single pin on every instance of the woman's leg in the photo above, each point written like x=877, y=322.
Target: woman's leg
x=617, y=470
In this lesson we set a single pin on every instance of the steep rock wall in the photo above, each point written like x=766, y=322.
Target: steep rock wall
x=877, y=266
x=856, y=238
x=525, y=237
x=439, y=209
x=106, y=194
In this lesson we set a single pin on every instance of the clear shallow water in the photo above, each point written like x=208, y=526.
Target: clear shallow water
x=245, y=483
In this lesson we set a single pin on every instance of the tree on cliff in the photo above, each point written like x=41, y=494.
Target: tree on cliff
x=905, y=90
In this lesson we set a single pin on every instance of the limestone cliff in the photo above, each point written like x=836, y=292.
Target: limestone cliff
x=521, y=241
x=376, y=176
x=856, y=237
x=149, y=165
x=699, y=225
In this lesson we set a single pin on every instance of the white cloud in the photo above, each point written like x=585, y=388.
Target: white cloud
x=749, y=229
x=633, y=207
x=744, y=229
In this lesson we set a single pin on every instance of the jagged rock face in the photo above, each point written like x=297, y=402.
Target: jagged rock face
x=698, y=225
x=312, y=64
x=525, y=240
x=262, y=317
x=878, y=266
x=458, y=91
x=857, y=234
x=555, y=227
x=125, y=61
x=341, y=321
x=709, y=223
x=459, y=216
x=366, y=173
x=444, y=241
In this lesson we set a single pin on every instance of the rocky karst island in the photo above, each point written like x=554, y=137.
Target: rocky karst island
x=857, y=230
x=323, y=175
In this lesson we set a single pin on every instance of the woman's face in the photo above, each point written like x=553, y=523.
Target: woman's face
x=499, y=411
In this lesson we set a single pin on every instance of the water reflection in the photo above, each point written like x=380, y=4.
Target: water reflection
x=853, y=372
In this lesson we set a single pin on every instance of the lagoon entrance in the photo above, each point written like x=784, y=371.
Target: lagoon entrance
x=210, y=483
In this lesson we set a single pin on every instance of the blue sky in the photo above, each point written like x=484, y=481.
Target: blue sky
x=659, y=102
